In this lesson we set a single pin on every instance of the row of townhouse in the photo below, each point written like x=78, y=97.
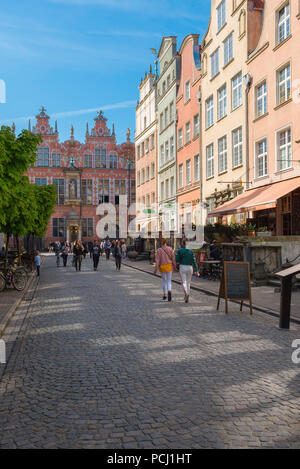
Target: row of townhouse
x=224, y=121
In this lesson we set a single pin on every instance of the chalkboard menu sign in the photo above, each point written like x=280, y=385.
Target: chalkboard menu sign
x=235, y=283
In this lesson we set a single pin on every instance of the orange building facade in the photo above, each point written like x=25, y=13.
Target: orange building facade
x=188, y=133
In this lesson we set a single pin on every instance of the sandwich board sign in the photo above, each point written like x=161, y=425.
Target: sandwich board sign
x=235, y=284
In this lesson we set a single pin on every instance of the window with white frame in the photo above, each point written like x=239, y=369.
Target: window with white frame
x=210, y=161
x=209, y=112
x=167, y=150
x=284, y=149
x=172, y=186
x=87, y=160
x=161, y=121
x=180, y=175
x=172, y=148
x=152, y=170
x=221, y=14
x=60, y=188
x=162, y=190
x=101, y=157
x=41, y=181
x=222, y=102
x=237, y=147
x=261, y=99
x=43, y=157
x=58, y=227
x=147, y=145
x=180, y=138
x=261, y=158
x=188, y=171
x=237, y=91
x=228, y=49
x=187, y=132
x=283, y=23
x=222, y=154
x=214, y=63
x=196, y=168
x=284, y=84
x=152, y=142
x=55, y=160
x=196, y=126
x=187, y=91
x=172, y=111
x=162, y=154
x=166, y=116
x=167, y=188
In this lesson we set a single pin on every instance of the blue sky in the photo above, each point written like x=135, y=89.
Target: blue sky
x=75, y=56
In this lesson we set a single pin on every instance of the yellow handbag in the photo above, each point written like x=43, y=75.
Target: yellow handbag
x=165, y=268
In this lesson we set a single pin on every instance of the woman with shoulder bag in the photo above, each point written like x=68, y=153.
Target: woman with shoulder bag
x=165, y=263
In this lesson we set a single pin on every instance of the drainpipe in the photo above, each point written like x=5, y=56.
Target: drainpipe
x=248, y=83
x=200, y=146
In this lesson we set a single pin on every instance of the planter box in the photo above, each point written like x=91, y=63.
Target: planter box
x=262, y=234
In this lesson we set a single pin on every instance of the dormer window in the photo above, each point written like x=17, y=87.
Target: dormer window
x=283, y=23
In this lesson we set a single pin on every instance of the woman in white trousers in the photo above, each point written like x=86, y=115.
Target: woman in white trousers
x=187, y=265
x=165, y=263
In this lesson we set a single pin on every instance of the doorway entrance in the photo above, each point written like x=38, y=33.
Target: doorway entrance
x=74, y=233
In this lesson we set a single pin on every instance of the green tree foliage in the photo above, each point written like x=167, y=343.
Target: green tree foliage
x=45, y=200
x=16, y=155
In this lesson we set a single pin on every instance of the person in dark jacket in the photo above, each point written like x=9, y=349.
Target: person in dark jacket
x=118, y=255
x=186, y=260
x=96, y=254
x=65, y=253
x=77, y=252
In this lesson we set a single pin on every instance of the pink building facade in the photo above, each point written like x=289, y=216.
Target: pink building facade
x=274, y=117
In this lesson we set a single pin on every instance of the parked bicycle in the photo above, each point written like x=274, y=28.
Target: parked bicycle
x=15, y=276
x=2, y=282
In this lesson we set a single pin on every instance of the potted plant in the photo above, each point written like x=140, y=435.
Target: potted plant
x=251, y=230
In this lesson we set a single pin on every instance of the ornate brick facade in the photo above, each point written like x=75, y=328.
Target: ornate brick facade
x=86, y=174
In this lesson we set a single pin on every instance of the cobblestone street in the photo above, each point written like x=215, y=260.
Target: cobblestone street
x=102, y=362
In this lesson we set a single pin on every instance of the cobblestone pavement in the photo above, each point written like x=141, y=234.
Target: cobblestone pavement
x=102, y=362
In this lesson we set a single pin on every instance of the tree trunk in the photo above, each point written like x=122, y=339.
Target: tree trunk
x=6, y=250
x=18, y=249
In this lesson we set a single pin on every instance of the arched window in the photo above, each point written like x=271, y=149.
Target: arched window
x=113, y=161
x=100, y=158
x=242, y=23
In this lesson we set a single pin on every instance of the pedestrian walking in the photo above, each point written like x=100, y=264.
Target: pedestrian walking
x=38, y=263
x=185, y=258
x=124, y=250
x=107, y=248
x=96, y=254
x=77, y=252
x=57, y=252
x=165, y=263
x=65, y=253
x=118, y=255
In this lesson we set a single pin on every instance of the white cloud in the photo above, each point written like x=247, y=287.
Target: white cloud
x=121, y=105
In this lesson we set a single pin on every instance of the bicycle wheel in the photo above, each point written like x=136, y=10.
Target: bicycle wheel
x=2, y=283
x=19, y=280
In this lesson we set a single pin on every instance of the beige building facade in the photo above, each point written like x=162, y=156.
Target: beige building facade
x=232, y=33
x=146, y=156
